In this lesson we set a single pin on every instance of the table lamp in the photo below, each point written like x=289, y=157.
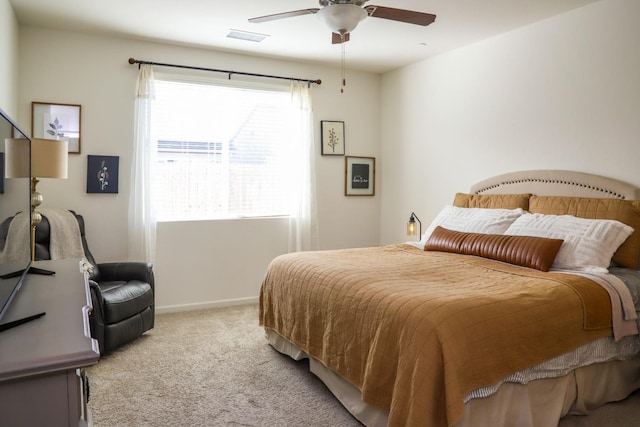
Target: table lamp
x=411, y=225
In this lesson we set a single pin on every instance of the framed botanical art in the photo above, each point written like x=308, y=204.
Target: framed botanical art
x=102, y=174
x=332, y=138
x=57, y=121
x=359, y=176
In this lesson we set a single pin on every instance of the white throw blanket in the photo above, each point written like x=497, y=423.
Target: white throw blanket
x=65, y=239
x=17, y=247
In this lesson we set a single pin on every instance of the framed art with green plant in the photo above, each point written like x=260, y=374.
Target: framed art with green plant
x=57, y=122
x=332, y=138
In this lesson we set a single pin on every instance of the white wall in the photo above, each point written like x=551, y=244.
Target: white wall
x=563, y=93
x=198, y=263
x=8, y=59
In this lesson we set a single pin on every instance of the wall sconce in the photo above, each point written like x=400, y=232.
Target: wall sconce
x=49, y=159
x=412, y=230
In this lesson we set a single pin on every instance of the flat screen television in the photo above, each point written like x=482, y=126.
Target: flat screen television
x=15, y=218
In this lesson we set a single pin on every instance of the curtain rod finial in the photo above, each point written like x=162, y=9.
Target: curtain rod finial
x=132, y=61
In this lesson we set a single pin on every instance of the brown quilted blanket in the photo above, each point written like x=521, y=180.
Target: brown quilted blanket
x=416, y=331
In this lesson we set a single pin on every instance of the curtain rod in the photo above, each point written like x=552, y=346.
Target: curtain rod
x=229, y=72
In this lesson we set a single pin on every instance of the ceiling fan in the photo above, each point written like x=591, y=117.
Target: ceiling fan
x=342, y=16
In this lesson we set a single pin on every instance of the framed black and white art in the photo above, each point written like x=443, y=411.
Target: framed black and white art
x=360, y=176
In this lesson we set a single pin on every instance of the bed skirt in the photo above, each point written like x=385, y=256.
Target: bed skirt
x=540, y=403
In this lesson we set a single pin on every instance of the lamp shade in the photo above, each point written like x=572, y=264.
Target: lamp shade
x=49, y=158
x=16, y=158
x=412, y=229
x=341, y=18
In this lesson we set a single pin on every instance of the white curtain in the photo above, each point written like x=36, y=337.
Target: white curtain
x=142, y=221
x=303, y=222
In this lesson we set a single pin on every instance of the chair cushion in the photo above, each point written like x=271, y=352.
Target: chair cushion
x=125, y=299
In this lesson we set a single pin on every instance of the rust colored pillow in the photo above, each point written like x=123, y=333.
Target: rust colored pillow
x=526, y=251
x=492, y=201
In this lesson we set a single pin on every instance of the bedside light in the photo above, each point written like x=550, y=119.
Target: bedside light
x=412, y=230
x=38, y=158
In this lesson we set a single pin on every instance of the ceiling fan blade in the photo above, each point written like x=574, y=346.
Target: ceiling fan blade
x=336, y=38
x=402, y=15
x=275, y=16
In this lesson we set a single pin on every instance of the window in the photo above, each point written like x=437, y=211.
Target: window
x=223, y=152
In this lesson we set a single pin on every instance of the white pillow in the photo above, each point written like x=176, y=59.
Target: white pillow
x=589, y=244
x=472, y=220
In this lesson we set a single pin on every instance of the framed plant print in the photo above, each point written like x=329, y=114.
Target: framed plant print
x=359, y=176
x=57, y=121
x=102, y=174
x=332, y=138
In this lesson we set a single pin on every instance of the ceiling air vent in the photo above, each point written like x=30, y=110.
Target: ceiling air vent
x=245, y=35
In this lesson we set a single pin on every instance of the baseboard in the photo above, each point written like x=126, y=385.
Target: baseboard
x=206, y=305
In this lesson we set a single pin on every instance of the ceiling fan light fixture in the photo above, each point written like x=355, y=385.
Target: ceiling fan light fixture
x=342, y=18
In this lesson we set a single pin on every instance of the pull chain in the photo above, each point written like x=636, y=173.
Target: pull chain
x=343, y=62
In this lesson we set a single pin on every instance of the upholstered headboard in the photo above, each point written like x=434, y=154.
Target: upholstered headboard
x=557, y=183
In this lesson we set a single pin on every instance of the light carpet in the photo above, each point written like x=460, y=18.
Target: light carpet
x=208, y=368
x=215, y=368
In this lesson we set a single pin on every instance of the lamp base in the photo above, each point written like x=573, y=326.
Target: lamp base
x=36, y=200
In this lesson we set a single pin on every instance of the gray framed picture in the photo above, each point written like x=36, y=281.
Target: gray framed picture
x=102, y=174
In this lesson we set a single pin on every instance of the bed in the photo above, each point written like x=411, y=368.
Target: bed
x=517, y=307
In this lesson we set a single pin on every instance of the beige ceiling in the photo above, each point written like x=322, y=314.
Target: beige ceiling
x=376, y=45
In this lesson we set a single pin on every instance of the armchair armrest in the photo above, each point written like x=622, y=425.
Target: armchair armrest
x=142, y=271
x=96, y=296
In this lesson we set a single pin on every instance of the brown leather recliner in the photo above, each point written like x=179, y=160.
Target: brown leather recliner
x=122, y=293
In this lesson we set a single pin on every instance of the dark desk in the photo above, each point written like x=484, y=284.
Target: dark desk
x=41, y=361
